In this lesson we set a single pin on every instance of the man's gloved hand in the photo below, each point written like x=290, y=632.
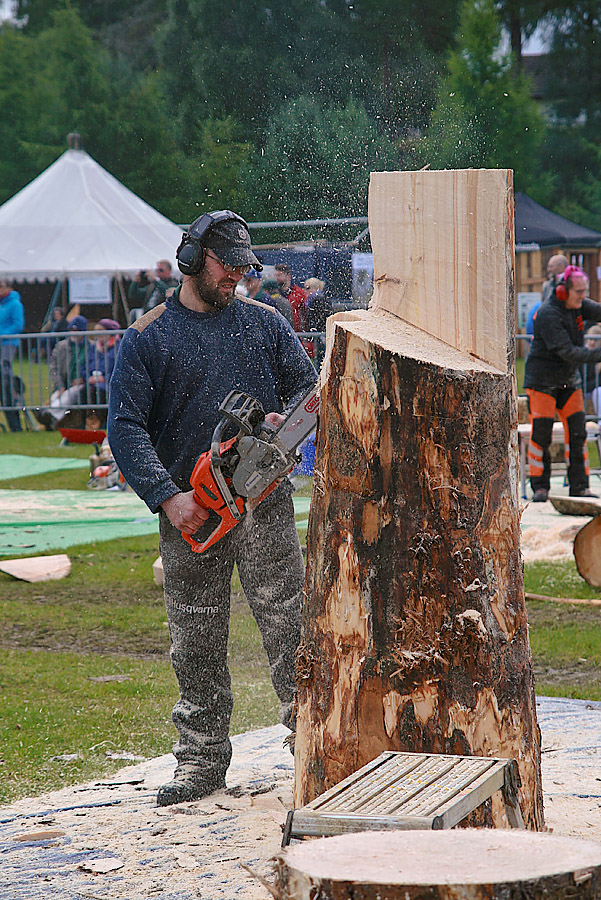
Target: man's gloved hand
x=184, y=513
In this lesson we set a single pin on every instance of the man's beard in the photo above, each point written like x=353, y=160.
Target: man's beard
x=211, y=293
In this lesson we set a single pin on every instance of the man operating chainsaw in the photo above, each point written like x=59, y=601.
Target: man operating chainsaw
x=176, y=366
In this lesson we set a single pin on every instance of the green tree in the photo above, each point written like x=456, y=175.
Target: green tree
x=520, y=17
x=127, y=28
x=393, y=51
x=17, y=58
x=316, y=162
x=60, y=80
x=573, y=84
x=485, y=116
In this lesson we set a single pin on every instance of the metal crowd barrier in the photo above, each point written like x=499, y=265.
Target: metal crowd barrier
x=28, y=380
x=55, y=371
x=30, y=383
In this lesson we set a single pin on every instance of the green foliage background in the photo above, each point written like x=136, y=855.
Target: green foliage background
x=282, y=109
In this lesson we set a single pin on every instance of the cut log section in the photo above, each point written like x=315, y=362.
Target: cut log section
x=587, y=552
x=440, y=865
x=38, y=568
x=415, y=627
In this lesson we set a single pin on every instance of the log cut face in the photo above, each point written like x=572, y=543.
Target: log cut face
x=415, y=630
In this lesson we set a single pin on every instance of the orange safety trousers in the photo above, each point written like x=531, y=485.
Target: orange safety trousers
x=569, y=406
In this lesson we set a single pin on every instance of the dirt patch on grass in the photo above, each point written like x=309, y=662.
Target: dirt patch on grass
x=576, y=674
x=51, y=635
x=543, y=614
x=20, y=637
x=556, y=672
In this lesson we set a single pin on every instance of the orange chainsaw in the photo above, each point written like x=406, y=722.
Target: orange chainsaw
x=245, y=469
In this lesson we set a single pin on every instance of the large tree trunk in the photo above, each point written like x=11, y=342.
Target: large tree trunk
x=415, y=630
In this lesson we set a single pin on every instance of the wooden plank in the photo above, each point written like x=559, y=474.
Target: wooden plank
x=443, y=245
x=306, y=825
x=576, y=600
x=38, y=568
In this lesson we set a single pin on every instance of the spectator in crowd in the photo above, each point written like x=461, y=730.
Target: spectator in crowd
x=592, y=390
x=12, y=321
x=83, y=371
x=555, y=268
x=100, y=360
x=149, y=288
x=294, y=294
x=67, y=373
x=273, y=297
x=253, y=285
x=56, y=323
x=318, y=308
x=554, y=385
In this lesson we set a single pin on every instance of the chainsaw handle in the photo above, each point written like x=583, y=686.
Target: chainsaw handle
x=227, y=522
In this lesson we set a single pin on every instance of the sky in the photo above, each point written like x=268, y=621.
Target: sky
x=538, y=42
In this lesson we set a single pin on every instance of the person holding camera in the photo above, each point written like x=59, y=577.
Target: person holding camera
x=149, y=288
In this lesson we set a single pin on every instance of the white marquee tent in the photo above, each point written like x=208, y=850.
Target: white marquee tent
x=77, y=219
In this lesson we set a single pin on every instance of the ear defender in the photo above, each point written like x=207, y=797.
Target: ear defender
x=190, y=255
x=561, y=291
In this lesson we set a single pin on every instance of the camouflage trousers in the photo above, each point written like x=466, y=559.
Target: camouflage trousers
x=266, y=550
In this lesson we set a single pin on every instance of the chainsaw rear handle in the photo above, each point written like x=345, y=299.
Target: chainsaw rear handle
x=226, y=523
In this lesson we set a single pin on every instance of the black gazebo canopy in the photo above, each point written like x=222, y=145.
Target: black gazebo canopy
x=537, y=227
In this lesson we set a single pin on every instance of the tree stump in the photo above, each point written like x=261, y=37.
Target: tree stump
x=415, y=629
x=587, y=552
x=441, y=865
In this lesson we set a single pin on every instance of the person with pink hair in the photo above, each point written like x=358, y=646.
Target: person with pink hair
x=554, y=384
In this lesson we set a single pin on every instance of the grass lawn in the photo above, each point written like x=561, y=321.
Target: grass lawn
x=85, y=667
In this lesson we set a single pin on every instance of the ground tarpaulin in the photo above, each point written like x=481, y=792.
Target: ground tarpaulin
x=32, y=522
x=14, y=465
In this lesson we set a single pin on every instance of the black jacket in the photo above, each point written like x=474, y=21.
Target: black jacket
x=557, y=350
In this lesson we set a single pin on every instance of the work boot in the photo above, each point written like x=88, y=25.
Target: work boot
x=583, y=492
x=190, y=782
x=540, y=496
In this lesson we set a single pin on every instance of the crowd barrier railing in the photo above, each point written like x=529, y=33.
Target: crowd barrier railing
x=52, y=372
x=58, y=370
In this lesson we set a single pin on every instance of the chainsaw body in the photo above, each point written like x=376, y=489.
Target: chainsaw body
x=249, y=466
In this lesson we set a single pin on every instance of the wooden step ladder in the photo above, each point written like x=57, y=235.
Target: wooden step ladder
x=408, y=791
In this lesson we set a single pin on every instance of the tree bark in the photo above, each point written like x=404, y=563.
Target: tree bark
x=415, y=630
x=441, y=865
